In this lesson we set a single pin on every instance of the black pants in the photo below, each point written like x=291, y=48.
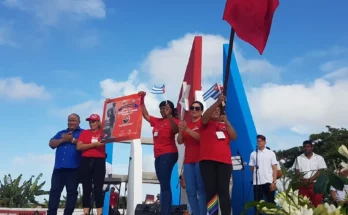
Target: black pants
x=92, y=173
x=263, y=190
x=61, y=178
x=216, y=177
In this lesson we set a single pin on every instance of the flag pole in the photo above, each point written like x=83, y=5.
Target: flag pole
x=228, y=65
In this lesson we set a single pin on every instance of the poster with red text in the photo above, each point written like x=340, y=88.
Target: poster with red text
x=122, y=119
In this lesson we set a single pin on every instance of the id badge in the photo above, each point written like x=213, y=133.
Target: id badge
x=220, y=135
x=155, y=134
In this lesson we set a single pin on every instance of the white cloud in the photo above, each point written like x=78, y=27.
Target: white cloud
x=50, y=12
x=15, y=88
x=301, y=108
x=83, y=109
x=168, y=65
x=338, y=74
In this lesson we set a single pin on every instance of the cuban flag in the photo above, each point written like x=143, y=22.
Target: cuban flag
x=158, y=90
x=214, y=92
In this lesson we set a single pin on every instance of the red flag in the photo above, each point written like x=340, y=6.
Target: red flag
x=251, y=20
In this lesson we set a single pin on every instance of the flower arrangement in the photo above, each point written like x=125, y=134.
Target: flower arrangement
x=289, y=202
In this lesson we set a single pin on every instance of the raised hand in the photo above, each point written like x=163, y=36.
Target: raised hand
x=142, y=93
x=182, y=126
x=222, y=98
x=223, y=118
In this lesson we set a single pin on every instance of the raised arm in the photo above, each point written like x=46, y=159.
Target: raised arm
x=229, y=128
x=207, y=114
x=144, y=112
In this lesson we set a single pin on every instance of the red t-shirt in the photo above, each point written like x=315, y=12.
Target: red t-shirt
x=213, y=148
x=163, y=136
x=192, y=145
x=113, y=199
x=87, y=137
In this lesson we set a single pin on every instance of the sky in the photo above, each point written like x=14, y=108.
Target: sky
x=64, y=56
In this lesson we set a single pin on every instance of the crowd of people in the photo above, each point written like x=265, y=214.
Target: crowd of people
x=207, y=166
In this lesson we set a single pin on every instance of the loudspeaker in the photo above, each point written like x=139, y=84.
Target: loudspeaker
x=147, y=209
x=179, y=209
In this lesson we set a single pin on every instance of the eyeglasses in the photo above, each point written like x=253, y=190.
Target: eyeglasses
x=195, y=108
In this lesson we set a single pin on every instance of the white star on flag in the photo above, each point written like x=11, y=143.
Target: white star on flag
x=184, y=102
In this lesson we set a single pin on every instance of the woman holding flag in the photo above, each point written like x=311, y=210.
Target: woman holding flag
x=165, y=150
x=189, y=135
x=215, y=158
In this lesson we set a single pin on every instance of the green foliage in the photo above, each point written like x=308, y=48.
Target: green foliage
x=13, y=194
x=326, y=145
x=122, y=202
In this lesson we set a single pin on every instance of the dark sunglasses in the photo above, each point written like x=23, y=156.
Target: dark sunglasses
x=195, y=108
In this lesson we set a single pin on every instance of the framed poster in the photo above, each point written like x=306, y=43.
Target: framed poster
x=122, y=119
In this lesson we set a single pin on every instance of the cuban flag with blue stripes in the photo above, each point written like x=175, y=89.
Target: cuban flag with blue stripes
x=158, y=90
x=214, y=92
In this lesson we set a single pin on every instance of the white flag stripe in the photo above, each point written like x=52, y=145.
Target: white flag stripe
x=209, y=93
x=158, y=90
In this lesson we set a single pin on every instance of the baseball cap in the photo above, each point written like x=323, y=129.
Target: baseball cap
x=93, y=117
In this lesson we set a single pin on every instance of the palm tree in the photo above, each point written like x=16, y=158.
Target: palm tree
x=13, y=194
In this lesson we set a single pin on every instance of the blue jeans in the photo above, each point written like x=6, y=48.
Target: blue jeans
x=195, y=189
x=164, y=166
x=61, y=178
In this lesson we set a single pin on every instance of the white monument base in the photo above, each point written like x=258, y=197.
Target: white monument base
x=134, y=194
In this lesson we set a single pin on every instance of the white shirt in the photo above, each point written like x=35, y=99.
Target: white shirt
x=341, y=194
x=266, y=159
x=309, y=166
x=108, y=168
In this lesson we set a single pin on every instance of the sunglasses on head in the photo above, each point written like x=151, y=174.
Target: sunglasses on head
x=195, y=108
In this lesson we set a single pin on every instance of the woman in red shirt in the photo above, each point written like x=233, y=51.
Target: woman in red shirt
x=189, y=135
x=165, y=150
x=215, y=158
x=92, y=166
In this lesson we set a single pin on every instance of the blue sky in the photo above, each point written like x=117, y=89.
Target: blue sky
x=69, y=56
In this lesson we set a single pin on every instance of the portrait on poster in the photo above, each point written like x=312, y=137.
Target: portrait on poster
x=122, y=119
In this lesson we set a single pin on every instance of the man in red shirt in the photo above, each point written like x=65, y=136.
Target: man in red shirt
x=113, y=201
